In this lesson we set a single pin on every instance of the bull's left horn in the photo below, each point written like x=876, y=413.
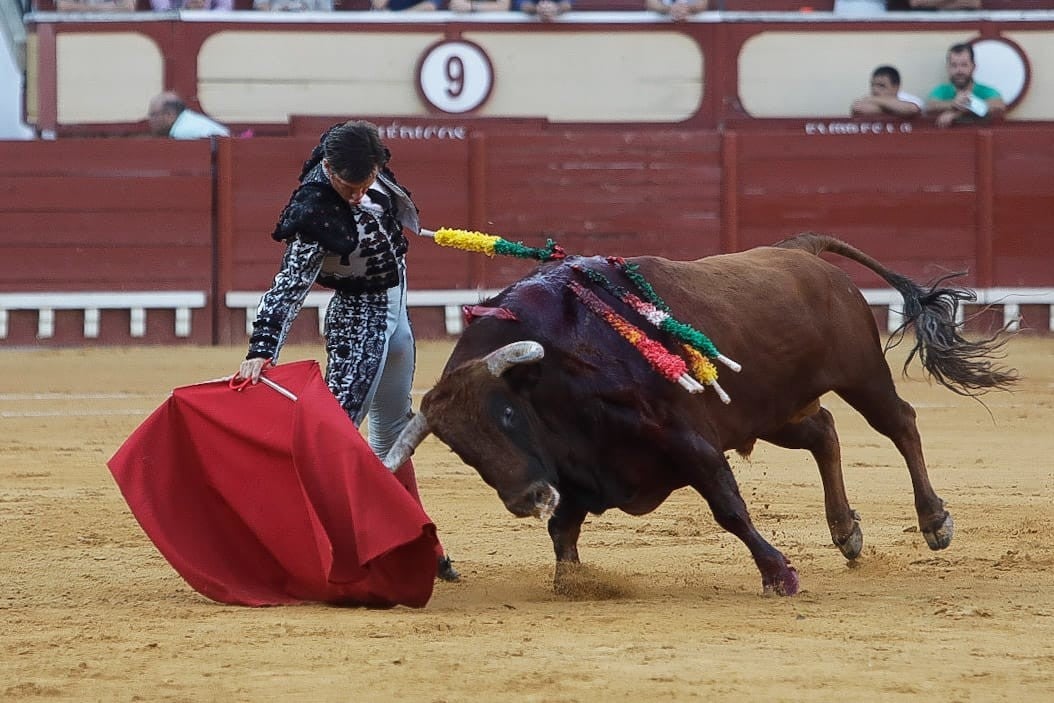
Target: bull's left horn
x=403, y=448
x=500, y=360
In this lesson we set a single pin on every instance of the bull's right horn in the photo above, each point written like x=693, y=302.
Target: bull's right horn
x=409, y=439
x=500, y=360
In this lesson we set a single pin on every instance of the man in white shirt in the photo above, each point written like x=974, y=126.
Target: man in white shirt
x=886, y=97
x=169, y=116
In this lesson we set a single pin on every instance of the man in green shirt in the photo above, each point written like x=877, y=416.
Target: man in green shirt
x=962, y=100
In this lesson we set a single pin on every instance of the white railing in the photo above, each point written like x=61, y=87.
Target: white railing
x=183, y=302
x=136, y=302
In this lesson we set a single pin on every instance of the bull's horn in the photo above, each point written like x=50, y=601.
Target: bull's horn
x=500, y=360
x=403, y=448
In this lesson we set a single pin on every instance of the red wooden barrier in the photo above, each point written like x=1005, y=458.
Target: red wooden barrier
x=908, y=199
x=135, y=218
x=105, y=215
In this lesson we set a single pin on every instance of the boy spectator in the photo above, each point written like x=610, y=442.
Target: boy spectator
x=886, y=97
x=961, y=99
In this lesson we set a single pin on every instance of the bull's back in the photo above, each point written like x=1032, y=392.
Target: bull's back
x=759, y=291
x=789, y=317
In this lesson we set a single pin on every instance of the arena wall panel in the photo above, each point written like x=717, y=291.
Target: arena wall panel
x=83, y=216
x=1023, y=204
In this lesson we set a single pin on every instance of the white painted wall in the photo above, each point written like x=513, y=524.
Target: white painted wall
x=11, y=126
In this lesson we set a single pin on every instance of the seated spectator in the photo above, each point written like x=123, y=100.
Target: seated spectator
x=886, y=97
x=406, y=5
x=166, y=5
x=677, y=10
x=293, y=5
x=169, y=116
x=95, y=5
x=545, y=10
x=463, y=6
x=906, y=5
x=961, y=99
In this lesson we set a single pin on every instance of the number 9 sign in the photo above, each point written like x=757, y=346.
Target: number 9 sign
x=455, y=76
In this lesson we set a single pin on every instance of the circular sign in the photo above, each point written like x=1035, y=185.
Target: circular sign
x=455, y=76
x=1001, y=64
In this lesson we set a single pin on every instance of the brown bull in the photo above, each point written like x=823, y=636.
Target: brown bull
x=562, y=416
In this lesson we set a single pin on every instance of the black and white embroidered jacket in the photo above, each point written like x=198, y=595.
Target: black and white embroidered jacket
x=354, y=250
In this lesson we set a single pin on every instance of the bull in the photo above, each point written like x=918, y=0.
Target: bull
x=562, y=417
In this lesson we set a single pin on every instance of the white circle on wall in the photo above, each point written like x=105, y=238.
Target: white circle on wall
x=455, y=76
x=1001, y=65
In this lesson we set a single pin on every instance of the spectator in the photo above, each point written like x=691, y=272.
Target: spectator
x=962, y=100
x=166, y=5
x=544, y=10
x=464, y=6
x=886, y=97
x=169, y=116
x=95, y=5
x=906, y=5
x=406, y=5
x=677, y=10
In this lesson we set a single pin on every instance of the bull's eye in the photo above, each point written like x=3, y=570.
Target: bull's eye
x=508, y=417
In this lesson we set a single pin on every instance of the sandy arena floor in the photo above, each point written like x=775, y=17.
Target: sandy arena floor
x=671, y=608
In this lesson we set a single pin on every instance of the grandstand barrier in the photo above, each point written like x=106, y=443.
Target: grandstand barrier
x=136, y=303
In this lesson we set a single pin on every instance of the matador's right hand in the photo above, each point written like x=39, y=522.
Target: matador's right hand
x=251, y=368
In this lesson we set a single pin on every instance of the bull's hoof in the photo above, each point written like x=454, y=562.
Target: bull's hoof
x=445, y=570
x=942, y=536
x=785, y=583
x=568, y=578
x=851, y=545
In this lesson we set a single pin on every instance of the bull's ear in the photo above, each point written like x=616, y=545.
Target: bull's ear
x=501, y=360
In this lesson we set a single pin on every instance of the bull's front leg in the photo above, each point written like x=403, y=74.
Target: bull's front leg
x=564, y=528
x=708, y=472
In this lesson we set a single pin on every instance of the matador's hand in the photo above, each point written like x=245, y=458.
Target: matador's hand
x=251, y=368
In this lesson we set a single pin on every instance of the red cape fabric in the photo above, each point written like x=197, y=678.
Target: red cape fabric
x=256, y=499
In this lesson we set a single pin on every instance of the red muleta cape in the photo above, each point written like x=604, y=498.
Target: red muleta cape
x=257, y=499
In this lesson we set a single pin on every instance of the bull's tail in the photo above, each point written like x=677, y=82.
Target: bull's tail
x=966, y=367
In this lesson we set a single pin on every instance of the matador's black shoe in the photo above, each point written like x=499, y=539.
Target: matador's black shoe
x=446, y=571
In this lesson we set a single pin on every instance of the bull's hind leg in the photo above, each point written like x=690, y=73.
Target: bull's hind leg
x=817, y=434
x=711, y=475
x=890, y=415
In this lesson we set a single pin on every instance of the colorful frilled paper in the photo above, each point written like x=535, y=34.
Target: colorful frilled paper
x=699, y=350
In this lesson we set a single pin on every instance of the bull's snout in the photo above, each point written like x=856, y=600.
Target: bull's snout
x=539, y=500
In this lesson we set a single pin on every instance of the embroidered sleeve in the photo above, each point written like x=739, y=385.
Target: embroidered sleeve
x=280, y=305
